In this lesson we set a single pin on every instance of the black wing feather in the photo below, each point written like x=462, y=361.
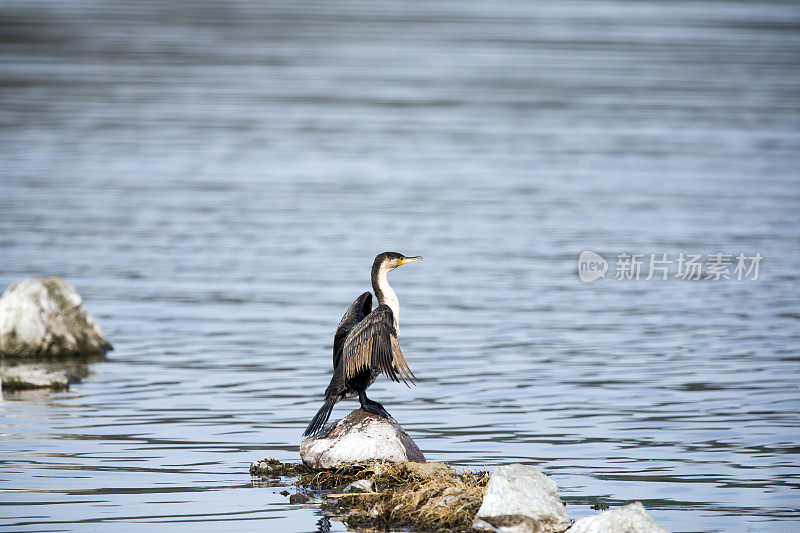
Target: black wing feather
x=372, y=344
x=357, y=311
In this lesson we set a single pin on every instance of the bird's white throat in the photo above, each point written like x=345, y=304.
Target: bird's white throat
x=386, y=295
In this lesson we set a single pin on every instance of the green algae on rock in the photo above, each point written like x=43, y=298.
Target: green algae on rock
x=420, y=495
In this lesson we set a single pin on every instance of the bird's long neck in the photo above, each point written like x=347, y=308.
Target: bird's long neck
x=385, y=293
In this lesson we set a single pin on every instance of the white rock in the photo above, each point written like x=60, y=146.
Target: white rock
x=446, y=500
x=45, y=317
x=632, y=518
x=23, y=377
x=519, y=498
x=360, y=436
x=360, y=485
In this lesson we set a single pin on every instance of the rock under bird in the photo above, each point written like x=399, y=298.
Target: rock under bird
x=365, y=344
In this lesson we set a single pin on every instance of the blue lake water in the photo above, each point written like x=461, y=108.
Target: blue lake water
x=216, y=178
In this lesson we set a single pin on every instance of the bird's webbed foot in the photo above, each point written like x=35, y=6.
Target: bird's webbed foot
x=376, y=408
x=372, y=406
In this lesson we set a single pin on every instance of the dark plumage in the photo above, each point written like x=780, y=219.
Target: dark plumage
x=365, y=344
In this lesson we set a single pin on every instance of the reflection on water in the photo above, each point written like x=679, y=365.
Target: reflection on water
x=73, y=369
x=216, y=180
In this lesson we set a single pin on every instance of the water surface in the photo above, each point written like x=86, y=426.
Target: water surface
x=215, y=179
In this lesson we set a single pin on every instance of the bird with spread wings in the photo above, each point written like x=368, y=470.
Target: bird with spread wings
x=366, y=344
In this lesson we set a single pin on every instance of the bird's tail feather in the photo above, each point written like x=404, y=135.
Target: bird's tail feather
x=321, y=418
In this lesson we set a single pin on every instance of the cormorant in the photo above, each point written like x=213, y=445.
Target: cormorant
x=365, y=344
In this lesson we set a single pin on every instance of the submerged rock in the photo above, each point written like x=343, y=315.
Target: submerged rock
x=298, y=498
x=22, y=377
x=359, y=437
x=45, y=317
x=521, y=499
x=267, y=466
x=271, y=467
x=632, y=518
x=423, y=496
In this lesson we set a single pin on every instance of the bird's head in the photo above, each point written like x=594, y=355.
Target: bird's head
x=390, y=260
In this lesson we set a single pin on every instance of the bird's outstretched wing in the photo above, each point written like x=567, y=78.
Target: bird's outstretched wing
x=372, y=344
x=357, y=311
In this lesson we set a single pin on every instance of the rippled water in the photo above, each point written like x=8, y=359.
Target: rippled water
x=216, y=179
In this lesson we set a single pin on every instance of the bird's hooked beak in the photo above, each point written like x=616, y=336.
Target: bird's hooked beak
x=408, y=260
